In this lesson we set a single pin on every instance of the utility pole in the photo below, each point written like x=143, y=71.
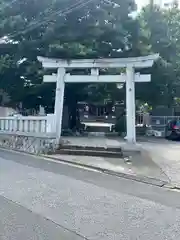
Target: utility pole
x=175, y=3
x=151, y=2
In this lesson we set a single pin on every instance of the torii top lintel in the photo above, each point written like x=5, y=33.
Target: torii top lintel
x=136, y=62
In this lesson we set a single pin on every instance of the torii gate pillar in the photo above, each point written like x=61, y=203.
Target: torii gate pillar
x=130, y=106
x=59, y=101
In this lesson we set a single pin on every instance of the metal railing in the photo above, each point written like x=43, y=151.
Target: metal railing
x=162, y=121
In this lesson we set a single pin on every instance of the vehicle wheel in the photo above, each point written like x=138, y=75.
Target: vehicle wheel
x=173, y=136
x=167, y=137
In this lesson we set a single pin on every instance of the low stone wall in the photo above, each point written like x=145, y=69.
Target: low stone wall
x=31, y=143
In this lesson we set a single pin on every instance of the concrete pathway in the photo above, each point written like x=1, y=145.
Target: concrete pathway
x=135, y=168
x=92, y=141
x=166, y=155
x=162, y=162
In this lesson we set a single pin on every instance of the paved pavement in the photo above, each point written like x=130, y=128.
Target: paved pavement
x=163, y=161
x=17, y=222
x=41, y=199
x=166, y=155
x=137, y=166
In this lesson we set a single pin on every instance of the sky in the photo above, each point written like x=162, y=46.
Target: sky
x=141, y=3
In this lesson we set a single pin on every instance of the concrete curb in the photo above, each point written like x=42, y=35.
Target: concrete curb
x=137, y=178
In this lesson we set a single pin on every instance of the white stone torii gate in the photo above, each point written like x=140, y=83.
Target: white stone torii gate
x=95, y=64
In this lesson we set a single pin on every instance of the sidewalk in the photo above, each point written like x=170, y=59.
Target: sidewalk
x=159, y=159
x=167, y=156
x=138, y=166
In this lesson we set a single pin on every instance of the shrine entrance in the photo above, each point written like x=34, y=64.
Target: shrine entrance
x=96, y=110
x=130, y=78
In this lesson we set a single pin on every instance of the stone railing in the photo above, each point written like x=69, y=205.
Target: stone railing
x=32, y=134
x=29, y=124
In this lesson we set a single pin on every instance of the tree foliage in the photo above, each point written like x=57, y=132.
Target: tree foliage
x=160, y=32
x=95, y=30
x=99, y=29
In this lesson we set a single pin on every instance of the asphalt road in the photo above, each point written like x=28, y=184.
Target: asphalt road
x=40, y=199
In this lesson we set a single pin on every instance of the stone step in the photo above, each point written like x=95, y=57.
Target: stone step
x=91, y=148
x=91, y=153
x=100, y=134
